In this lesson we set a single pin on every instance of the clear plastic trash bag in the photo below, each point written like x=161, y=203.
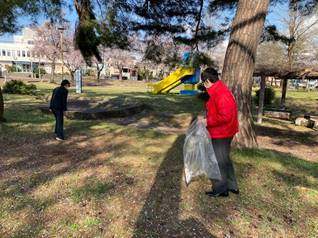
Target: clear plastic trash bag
x=198, y=154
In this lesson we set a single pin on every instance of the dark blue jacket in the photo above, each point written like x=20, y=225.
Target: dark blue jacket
x=59, y=99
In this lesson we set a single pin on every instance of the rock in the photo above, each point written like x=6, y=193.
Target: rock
x=279, y=114
x=307, y=121
x=301, y=121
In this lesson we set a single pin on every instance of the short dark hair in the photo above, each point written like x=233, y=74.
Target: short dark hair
x=65, y=82
x=210, y=74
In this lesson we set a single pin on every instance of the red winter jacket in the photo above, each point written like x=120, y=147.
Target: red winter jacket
x=221, y=108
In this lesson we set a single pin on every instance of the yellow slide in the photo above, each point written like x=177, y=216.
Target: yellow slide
x=172, y=81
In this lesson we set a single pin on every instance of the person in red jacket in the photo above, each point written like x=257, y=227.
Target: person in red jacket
x=222, y=124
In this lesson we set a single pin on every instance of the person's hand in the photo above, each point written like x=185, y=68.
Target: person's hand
x=207, y=84
x=202, y=119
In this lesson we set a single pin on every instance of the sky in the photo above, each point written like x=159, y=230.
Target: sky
x=70, y=15
x=275, y=14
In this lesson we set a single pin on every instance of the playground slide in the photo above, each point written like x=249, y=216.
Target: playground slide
x=172, y=81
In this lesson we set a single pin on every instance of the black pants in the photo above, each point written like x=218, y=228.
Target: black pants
x=222, y=148
x=59, y=123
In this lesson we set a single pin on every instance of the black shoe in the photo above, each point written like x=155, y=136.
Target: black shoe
x=235, y=191
x=214, y=194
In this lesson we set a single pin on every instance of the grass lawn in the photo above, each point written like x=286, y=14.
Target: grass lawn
x=125, y=179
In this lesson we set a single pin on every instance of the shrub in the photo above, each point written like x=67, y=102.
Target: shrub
x=12, y=68
x=36, y=71
x=268, y=97
x=19, y=87
x=90, y=72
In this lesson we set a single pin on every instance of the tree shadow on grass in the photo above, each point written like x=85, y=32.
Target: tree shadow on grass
x=291, y=180
x=289, y=162
x=171, y=103
x=40, y=161
x=287, y=137
x=159, y=216
x=273, y=186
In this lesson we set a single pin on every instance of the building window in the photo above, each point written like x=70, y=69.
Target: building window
x=26, y=68
x=30, y=42
x=9, y=53
x=3, y=52
x=28, y=54
x=23, y=53
x=19, y=53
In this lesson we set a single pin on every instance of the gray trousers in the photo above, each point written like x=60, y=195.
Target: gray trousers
x=222, y=148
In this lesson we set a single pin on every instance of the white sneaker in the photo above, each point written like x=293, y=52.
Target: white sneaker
x=59, y=139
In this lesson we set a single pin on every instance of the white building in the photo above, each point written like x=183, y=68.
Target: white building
x=19, y=53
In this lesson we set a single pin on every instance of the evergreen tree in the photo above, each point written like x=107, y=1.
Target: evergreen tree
x=11, y=10
x=239, y=62
x=183, y=20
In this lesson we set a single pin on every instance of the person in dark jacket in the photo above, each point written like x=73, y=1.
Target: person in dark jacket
x=222, y=124
x=58, y=106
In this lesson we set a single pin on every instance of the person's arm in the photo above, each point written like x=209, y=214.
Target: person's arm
x=224, y=112
x=52, y=98
x=64, y=100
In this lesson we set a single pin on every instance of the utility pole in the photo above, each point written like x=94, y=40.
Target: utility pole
x=61, y=29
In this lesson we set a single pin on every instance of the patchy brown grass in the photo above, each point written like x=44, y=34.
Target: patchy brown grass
x=124, y=178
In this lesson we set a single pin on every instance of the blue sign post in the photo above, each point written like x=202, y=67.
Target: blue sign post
x=78, y=81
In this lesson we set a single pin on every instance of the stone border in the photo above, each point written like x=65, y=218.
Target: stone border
x=125, y=111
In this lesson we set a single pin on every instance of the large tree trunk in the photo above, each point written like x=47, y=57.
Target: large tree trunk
x=98, y=75
x=284, y=93
x=239, y=63
x=99, y=71
x=2, y=119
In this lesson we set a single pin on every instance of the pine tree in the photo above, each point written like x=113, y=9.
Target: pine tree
x=11, y=10
x=239, y=62
x=183, y=20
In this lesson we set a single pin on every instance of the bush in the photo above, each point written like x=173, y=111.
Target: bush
x=268, y=97
x=12, y=68
x=90, y=72
x=19, y=87
x=36, y=71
